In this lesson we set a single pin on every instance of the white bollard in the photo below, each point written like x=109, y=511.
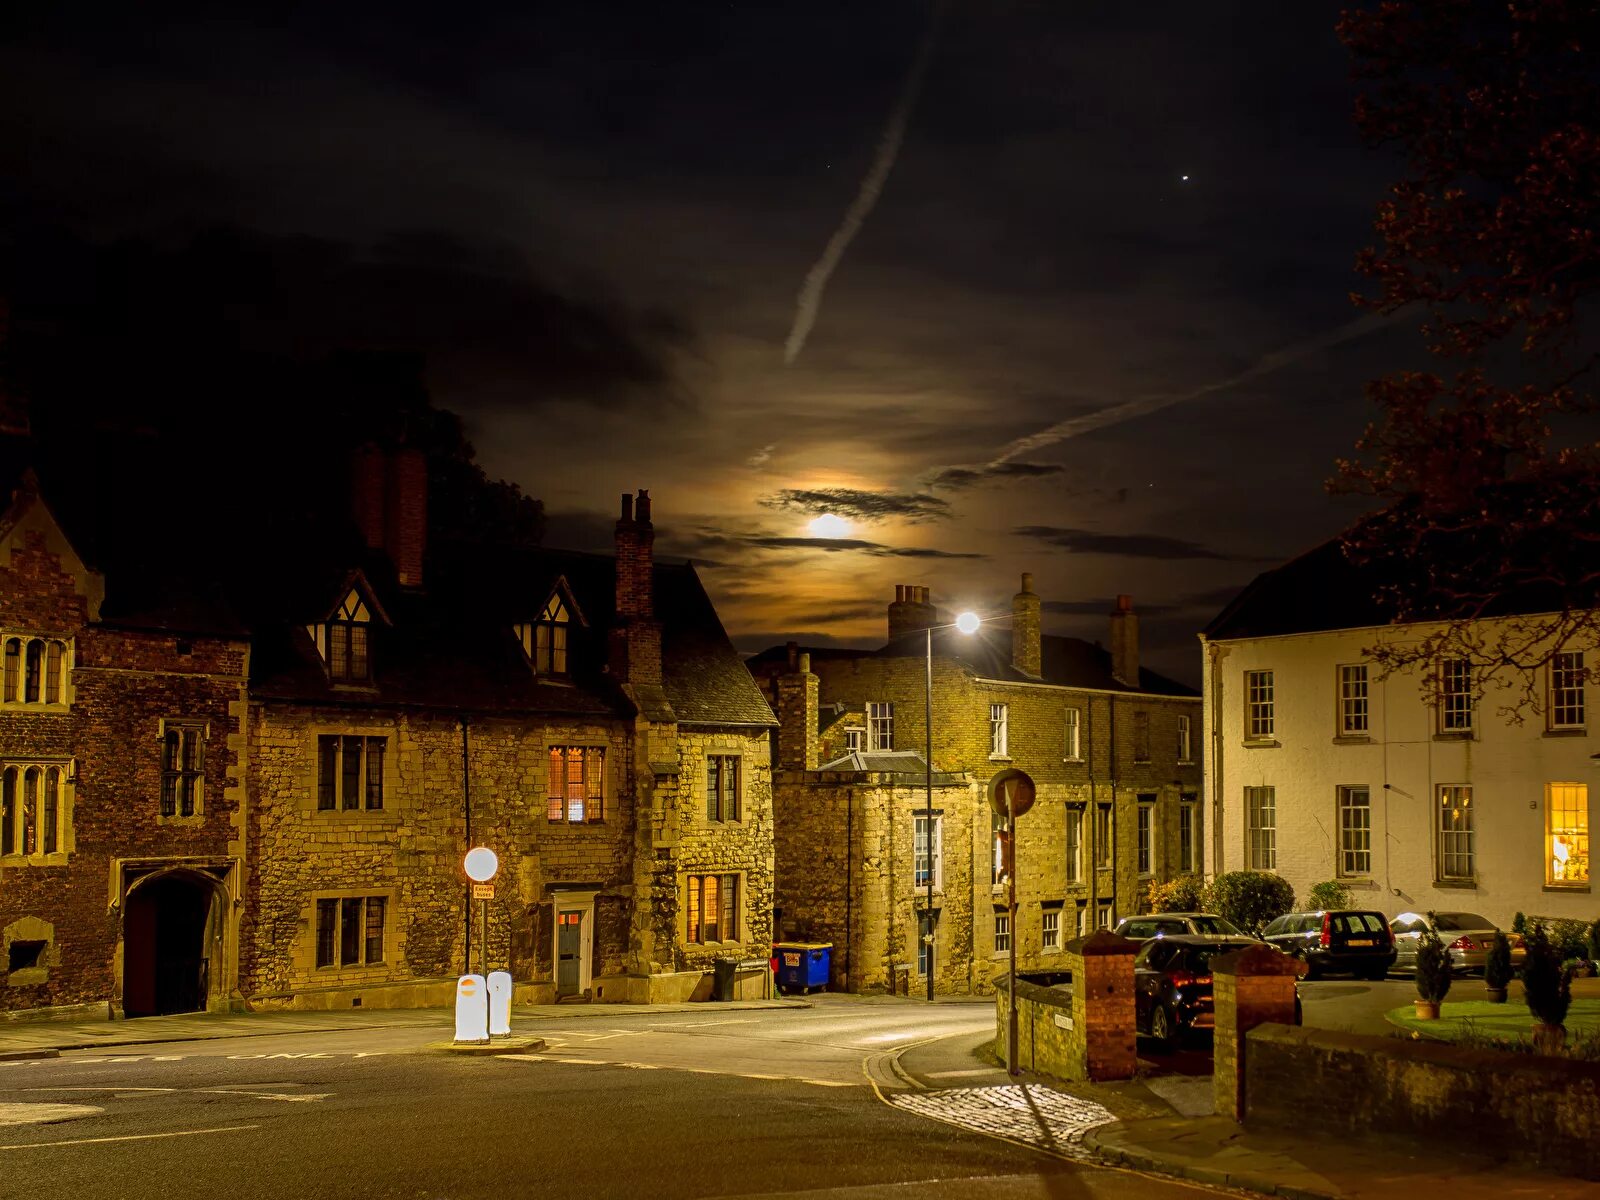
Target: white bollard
x=472, y=1009
x=499, y=1003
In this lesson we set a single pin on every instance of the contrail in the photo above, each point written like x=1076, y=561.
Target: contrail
x=894, y=133
x=1087, y=423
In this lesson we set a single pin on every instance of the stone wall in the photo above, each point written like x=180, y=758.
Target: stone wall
x=1049, y=1041
x=1544, y=1112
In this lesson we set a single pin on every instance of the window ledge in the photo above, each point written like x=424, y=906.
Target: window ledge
x=1566, y=731
x=1455, y=735
x=1184, y=762
x=18, y=706
x=28, y=977
x=1359, y=882
x=1050, y=950
x=1352, y=739
x=1465, y=885
x=1582, y=888
x=198, y=818
x=58, y=859
x=1261, y=743
x=355, y=816
x=999, y=758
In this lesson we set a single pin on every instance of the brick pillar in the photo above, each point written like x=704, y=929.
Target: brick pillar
x=368, y=467
x=406, y=514
x=797, y=718
x=1249, y=988
x=1025, y=655
x=1102, y=1004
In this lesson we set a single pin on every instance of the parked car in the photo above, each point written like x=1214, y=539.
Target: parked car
x=1338, y=941
x=1172, y=984
x=1467, y=935
x=1141, y=929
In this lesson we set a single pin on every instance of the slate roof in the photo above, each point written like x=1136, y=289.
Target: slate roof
x=1319, y=591
x=890, y=762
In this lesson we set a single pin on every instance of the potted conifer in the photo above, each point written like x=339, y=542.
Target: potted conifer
x=1497, y=968
x=1547, y=987
x=1433, y=974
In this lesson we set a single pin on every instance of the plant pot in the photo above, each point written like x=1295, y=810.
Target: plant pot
x=1494, y=995
x=1548, y=1039
x=1427, y=1010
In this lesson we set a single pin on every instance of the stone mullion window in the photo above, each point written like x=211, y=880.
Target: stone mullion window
x=34, y=671
x=713, y=909
x=33, y=818
x=722, y=787
x=182, y=770
x=576, y=792
x=350, y=772
x=350, y=931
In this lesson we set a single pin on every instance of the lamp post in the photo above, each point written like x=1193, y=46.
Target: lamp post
x=481, y=864
x=967, y=623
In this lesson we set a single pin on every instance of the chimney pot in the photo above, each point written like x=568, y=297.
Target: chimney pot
x=643, y=509
x=1027, y=581
x=627, y=506
x=1124, y=603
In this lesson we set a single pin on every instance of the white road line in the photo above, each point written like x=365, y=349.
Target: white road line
x=264, y=1095
x=97, y=1089
x=640, y=1066
x=969, y=1072
x=131, y=1137
x=701, y=1024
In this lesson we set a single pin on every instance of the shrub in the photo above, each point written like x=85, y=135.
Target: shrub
x=1569, y=937
x=1433, y=968
x=1497, y=967
x=1593, y=938
x=1546, y=985
x=1186, y=893
x=1519, y=924
x=1329, y=894
x=1250, y=899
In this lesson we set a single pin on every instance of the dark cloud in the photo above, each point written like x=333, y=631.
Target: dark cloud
x=833, y=545
x=859, y=505
x=1102, y=608
x=1123, y=545
x=965, y=477
x=1211, y=599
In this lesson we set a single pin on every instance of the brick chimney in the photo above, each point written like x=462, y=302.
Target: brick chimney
x=636, y=636
x=1125, y=642
x=1025, y=649
x=911, y=610
x=797, y=717
x=389, y=502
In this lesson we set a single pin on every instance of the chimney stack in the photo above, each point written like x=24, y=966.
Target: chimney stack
x=1026, y=655
x=797, y=717
x=911, y=611
x=1125, y=642
x=636, y=637
x=389, y=502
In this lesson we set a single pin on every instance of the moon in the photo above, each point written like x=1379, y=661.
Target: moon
x=828, y=525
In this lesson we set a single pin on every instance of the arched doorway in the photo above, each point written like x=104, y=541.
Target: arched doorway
x=166, y=927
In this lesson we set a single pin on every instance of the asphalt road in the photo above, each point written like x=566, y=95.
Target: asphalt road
x=756, y=1103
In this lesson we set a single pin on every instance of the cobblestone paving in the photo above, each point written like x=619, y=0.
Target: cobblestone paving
x=1027, y=1113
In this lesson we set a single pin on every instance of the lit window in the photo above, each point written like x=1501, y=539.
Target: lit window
x=713, y=909
x=1050, y=929
x=183, y=764
x=722, y=787
x=1455, y=696
x=1259, y=717
x=1567, y=821
x=1456, y=850
x=350, y=930
x=577, y=784
x=1261, y=817
x=1566, y=690
x=997, y=730
x=1002, y=932
x=1072, y=746
x=928, y=853
x=33, y=813
x=1185, y=740
x=350, y=772
x=34, y=671
x=545, y=641
x=880, y=725
x=1355, y=831
x=347, y=647
x=1353, y=717
x=1146, y=836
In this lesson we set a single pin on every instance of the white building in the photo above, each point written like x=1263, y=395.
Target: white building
x=1416, y=796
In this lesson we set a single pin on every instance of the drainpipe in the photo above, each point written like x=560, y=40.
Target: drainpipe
x=1111, y=729
x=1214, y=663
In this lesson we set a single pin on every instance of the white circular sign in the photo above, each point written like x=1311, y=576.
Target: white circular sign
x=481, y=864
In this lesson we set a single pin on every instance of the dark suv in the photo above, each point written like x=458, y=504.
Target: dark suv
x=1346, y=942
x=1172, y=984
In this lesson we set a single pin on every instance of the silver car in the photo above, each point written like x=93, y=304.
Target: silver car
x=1154, y=925
x=1466, y=935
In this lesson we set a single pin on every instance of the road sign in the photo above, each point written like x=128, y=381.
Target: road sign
x=1013, y=792
x=483, y=891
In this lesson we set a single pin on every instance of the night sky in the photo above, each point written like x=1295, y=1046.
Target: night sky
x=1097, y=325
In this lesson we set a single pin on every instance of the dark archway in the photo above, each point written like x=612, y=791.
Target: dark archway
x=164, y=948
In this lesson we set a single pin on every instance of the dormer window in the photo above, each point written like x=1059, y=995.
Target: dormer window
x=347, y=648
x=545, y=641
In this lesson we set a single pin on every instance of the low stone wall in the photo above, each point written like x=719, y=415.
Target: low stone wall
x=1049, y=1041
x=1543, y=1112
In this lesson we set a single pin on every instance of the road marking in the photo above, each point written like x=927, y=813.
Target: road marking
x=641, y=1066
x=264, y=1095
x=44, y=1114
x=131, y=1137
x=119, y=1090
x=701, y=1024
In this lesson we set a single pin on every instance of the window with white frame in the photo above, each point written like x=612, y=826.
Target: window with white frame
x=1353, y=712
x=183, y=766
x=1261, y=827
x=853, y=740
x=350, y=930
x=1102, y=918
x=997, y=730
x=1081, y=920
x=1566, y=690
x=33, y=808
x=1456, y=854
x=1002, y=932
x=1147, y=835
x=577, y=793
x=1259, y=714
x=1072, y=745
x=1455, y=696
x=1188, y=833
x=722, y=787
x=1102, y=836
x=545, y=641
x=1141, y=737
x=880, y=725
x=34, y=670
x=1050, y=929
x=1185, y=739
x=928, y=853
x=1074, y=843
x=1566, y=809
x=713, y=909
x=349, y=773
x=1355, y=830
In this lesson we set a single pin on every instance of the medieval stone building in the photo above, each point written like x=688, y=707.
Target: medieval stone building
x=1112, y=750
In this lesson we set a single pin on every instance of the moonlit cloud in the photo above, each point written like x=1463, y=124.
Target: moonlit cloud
x=859, y=505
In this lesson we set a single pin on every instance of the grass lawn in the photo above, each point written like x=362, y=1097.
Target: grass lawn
x=1509, y=1020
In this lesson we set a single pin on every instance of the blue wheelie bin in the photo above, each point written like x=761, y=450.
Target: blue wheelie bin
x=803, y=965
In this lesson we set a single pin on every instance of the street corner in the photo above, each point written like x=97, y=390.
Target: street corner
x=510, y=1045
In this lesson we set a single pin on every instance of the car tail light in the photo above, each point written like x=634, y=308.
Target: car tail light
x=1515, y=939
x=1463, y=943
x=1179, y=978
x=1327, y=925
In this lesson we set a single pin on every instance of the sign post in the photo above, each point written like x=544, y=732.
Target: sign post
x=1013, y=796
x=473, y=990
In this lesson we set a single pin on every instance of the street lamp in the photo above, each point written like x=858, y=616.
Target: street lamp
x=481, y=864
x=966, y=623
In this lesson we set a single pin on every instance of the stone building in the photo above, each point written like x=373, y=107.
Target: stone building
x=197, y=817
x=1112, y=748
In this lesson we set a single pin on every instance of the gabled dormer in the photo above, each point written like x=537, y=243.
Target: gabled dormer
x=547, y=640
x=344, y=637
